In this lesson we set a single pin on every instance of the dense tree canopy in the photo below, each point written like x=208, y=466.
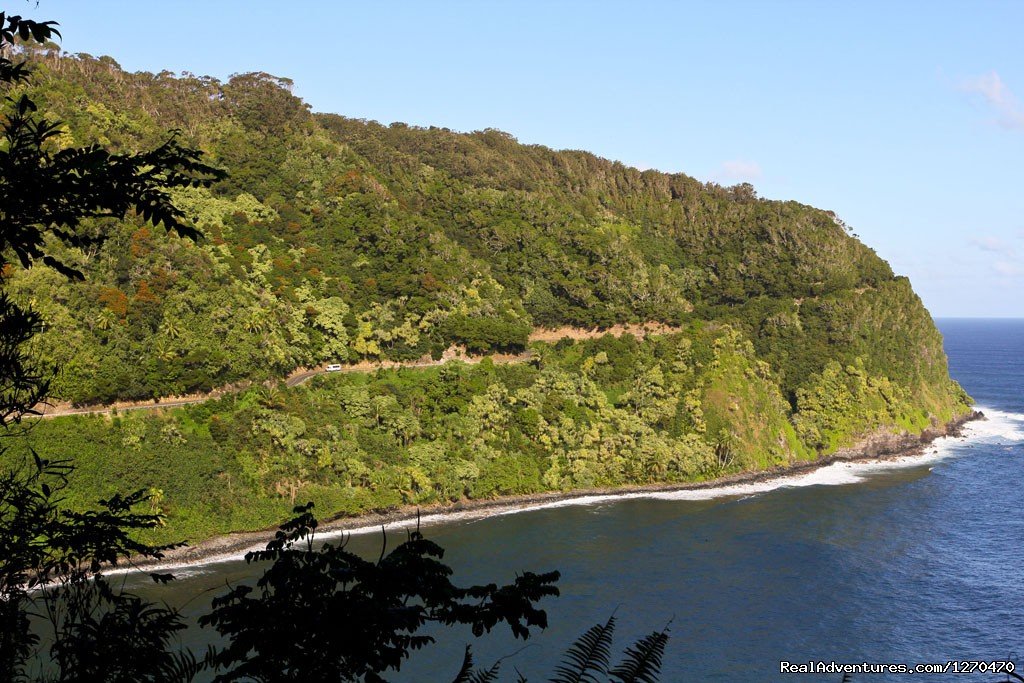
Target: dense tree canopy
x=336, y=239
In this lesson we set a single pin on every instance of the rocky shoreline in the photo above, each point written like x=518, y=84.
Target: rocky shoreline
x=878, y=446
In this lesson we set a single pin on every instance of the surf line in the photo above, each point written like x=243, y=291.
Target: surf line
x=996, y=425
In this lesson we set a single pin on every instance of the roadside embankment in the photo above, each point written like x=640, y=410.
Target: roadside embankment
x=302, y=374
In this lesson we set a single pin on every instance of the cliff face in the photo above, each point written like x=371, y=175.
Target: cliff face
x=338, y=240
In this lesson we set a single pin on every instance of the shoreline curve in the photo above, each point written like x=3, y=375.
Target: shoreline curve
x=879, y=447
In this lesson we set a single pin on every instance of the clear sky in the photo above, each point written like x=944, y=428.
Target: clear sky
x=905, y=118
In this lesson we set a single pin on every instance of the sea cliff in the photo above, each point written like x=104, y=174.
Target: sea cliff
x=779, y=338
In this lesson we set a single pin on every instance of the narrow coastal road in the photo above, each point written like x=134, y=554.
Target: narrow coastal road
x=297, y=377
x=61, y=410
x=301, y=375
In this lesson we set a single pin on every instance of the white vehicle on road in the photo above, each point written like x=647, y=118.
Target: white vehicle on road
x=333, y=367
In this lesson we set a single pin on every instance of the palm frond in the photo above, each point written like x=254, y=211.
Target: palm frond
x=588, y=656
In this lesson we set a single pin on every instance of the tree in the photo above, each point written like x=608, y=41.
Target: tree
x=48, y=194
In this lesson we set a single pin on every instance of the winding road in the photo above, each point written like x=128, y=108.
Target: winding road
x=301, y=375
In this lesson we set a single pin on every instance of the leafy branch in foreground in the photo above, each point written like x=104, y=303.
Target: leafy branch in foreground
x=50, y=192
x=24, y=383
x=105, y=634
x=13, y=28
x=327, y=614
x=50, y=558
x=47, y=190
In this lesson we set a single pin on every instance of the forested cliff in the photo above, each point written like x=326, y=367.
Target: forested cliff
x=338, y=240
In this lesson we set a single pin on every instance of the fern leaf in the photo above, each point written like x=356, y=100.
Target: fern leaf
x=183, y=666
x=467, y=667
x=588, y=656
x=642, y=662
x=468, y=675
x=488, y=676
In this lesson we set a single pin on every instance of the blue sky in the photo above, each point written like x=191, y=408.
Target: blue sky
x=905, y=118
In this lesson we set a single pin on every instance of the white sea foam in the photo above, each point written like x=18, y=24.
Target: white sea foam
x=999, y=427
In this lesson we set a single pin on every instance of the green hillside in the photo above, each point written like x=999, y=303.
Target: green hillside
x=336, y=240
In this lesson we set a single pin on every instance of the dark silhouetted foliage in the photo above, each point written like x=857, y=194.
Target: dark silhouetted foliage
x=327, y=614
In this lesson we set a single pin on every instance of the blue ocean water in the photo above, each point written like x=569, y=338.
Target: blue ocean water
x=912, y=562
